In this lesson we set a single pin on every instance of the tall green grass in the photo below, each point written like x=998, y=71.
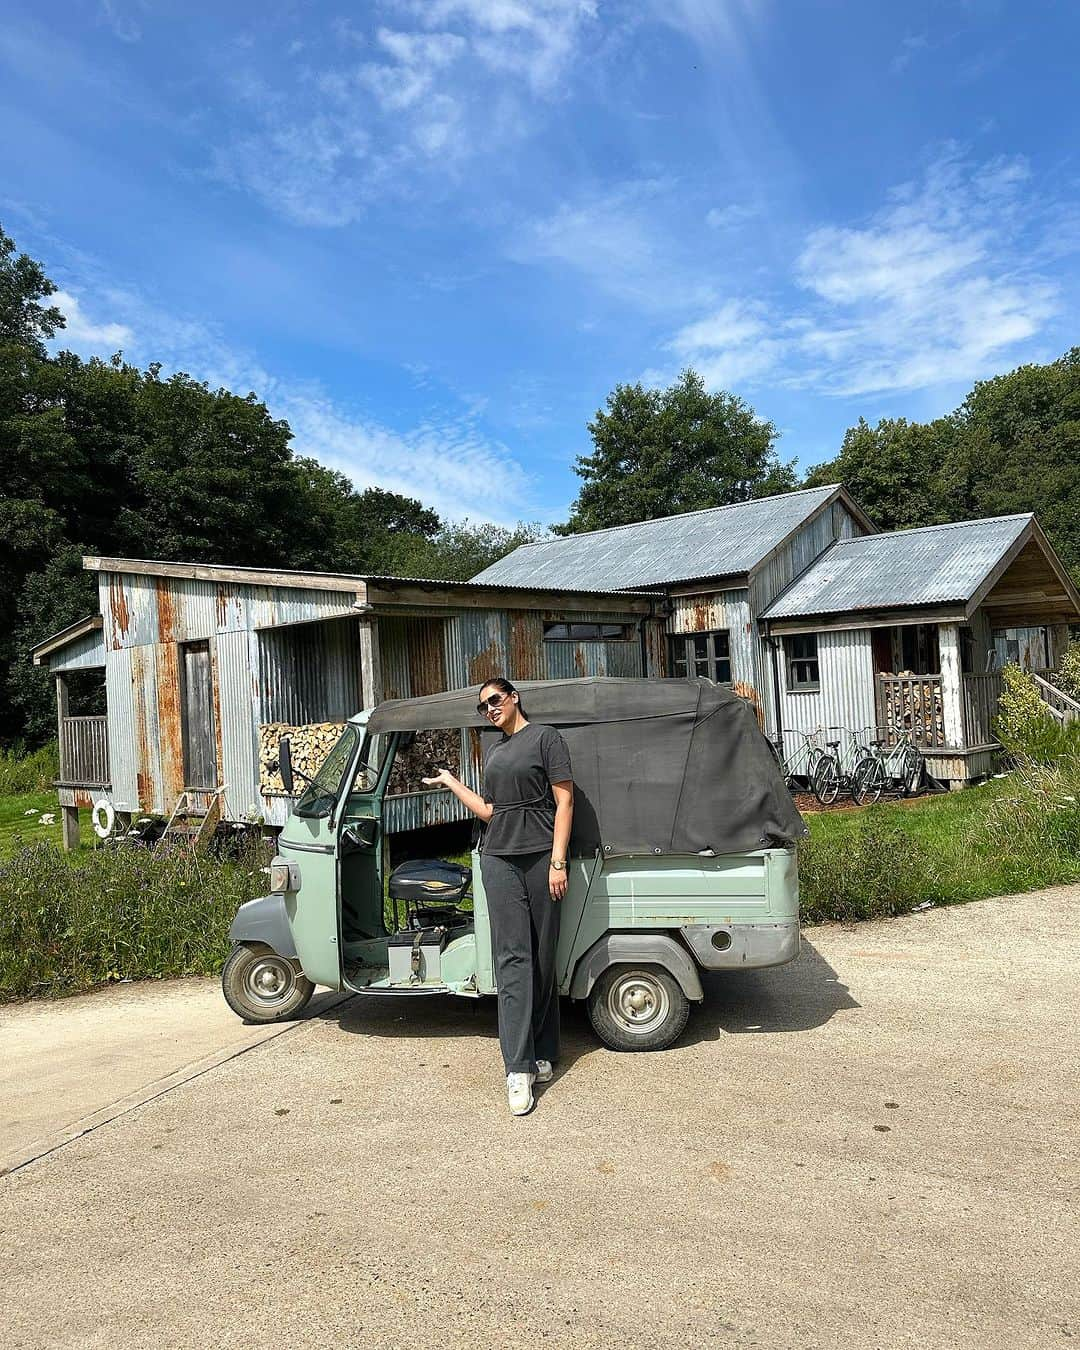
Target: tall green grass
x=22, y=772
x=70, y=922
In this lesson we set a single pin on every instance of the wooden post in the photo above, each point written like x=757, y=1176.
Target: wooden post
x=952, y=684
x=69, y=815
x=70, y=821
x=371, y=683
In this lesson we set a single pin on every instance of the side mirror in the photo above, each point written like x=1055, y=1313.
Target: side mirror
x=285, y=765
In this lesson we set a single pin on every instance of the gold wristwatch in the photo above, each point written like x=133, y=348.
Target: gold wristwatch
x=558, y=866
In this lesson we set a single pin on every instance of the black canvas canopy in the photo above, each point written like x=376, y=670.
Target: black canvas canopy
x=660, y=766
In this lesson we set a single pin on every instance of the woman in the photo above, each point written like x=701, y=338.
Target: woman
x=527, y=807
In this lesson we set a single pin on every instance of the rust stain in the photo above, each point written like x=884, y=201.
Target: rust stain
x=166, y=610
x=485, y=665
x=424, y=653
x=144, y=777
x=526, y=638
x=579, y=660
x=701, y=618
x=170, y=728
x=215, y=687
x=220, y=605
x=118, y=611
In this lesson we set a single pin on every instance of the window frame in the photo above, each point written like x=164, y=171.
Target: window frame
x=793, y=658
x=626, y=631
x=714, y=659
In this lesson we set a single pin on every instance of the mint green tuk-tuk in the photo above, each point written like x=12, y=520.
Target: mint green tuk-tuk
x=682, y=859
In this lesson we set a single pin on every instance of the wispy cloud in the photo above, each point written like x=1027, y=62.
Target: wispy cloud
x=446, y=459
x=82, y=335
x=909, y=47
x=935, y=288
x=410, y=102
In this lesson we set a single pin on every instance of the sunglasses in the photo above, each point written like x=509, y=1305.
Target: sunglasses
x=490, y=703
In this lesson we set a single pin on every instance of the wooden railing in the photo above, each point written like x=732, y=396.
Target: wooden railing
x=1058, y=704
x=981, y=695
x=84, y=751
x=911, y=703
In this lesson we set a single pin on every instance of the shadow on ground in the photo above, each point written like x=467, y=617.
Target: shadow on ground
x=797, y=997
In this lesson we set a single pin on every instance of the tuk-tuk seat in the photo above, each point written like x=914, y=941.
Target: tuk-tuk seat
x=426, y=881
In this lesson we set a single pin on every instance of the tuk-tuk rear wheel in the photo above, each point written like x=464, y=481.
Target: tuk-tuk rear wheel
x=261, y=986
x=638, y=1008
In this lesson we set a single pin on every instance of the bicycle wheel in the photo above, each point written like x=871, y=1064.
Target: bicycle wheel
x=825, y=780
x=868, y=780
x=911, y=772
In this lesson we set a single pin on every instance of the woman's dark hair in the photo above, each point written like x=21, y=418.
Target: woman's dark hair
x=505, y=687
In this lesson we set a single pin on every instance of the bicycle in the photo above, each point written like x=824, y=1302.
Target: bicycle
x=800, y=766
x=841, y=768
x=898, y=769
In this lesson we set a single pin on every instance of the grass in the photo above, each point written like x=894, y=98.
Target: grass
x=20, y=825
x=889, y=858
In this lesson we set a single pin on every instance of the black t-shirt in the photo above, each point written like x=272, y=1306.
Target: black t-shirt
x=518, y=773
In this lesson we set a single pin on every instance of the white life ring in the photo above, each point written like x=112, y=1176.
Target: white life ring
x=104, y=818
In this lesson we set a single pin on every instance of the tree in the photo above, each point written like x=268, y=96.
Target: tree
x=659, y=452
x=1013, y=445
x=459, y=550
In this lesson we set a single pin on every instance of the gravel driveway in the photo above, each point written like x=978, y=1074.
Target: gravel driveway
x=874, y=1147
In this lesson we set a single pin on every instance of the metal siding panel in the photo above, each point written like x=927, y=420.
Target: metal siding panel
x=424, y=651
x=238, y=729
x=309, y=673
x=730, y=610
x=85, y=653
x=846, y=697
x=394, y=652
x=120, y=702
x=147, y=729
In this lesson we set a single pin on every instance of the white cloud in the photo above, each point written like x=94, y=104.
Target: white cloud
x=402, y=108
x=446, y=460
x=935, y=288
x=81, y=335
x=729, y=217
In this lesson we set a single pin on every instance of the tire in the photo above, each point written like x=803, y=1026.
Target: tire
x=638, y=1008
x=261, y=986
x=912, y=772
x=825, y=780
x=867, y=781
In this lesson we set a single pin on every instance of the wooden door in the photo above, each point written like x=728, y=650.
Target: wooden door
x=197, y=710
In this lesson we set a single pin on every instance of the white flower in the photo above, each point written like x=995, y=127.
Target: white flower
x=31, y=812
x=47, y=818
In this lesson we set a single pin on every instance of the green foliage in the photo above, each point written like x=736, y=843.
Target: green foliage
x=457, y=551
x=1013, y=445
x=1026, y=729
x=1068, y=676
x=70, y=922
x=25, y=773
x=662, y=451
x=875, y=872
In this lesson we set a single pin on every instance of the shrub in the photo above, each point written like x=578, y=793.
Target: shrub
x=25, y=773
x=70, y=922
x=876, y=869
x=1024, y=726
x=1068, y=676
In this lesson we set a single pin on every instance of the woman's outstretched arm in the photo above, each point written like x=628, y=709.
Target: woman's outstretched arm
x=471, y=800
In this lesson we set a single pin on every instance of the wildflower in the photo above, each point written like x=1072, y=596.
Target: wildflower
x=31, y=812
x=47, y=818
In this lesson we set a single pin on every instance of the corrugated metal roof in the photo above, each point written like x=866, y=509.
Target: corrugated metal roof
x=719, y=541
x=929, y=566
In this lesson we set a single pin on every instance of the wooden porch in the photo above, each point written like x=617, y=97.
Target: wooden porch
x=916, y=705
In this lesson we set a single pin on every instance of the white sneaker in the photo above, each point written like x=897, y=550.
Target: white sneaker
x=519, y=1092
x=543, y=1071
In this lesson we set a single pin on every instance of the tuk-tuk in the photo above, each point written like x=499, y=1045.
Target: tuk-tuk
x=682, y=859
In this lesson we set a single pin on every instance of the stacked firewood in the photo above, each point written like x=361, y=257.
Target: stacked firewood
x=915, y=707
x=308, y=748
x=431, y=751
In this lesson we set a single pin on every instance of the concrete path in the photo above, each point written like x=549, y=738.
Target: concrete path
x=70, y=1065
x=875, y=1147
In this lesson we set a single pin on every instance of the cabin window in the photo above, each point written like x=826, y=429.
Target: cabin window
x=802, y=663
x=707, y=654
x=588, y=632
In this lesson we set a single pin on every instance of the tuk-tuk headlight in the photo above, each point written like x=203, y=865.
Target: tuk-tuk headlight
x=284, y=876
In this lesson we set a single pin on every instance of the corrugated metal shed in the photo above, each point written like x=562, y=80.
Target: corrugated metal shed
x=721, y=541
x=931, y=566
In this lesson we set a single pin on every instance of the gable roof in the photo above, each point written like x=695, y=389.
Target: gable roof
x=719, y=541
x=934, y=565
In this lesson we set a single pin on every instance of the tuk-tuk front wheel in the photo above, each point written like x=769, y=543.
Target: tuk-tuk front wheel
x=261, y=986
x=638, y=1008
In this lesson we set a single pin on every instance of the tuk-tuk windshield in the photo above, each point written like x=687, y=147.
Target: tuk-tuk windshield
x=320, y=795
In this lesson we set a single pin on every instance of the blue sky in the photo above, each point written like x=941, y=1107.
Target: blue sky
x=434, y=234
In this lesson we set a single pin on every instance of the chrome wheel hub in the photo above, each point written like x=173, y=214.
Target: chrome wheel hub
x=270, y=980
x=637, y=1002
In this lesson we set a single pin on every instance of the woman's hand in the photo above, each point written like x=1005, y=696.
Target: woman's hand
x=443, y=778
x=557, y=882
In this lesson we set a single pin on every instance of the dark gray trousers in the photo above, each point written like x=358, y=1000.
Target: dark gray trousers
x=524, y=934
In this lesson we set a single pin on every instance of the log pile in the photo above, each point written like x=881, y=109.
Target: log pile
x=430, y=751
x=308, y=747
x=913, y=703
